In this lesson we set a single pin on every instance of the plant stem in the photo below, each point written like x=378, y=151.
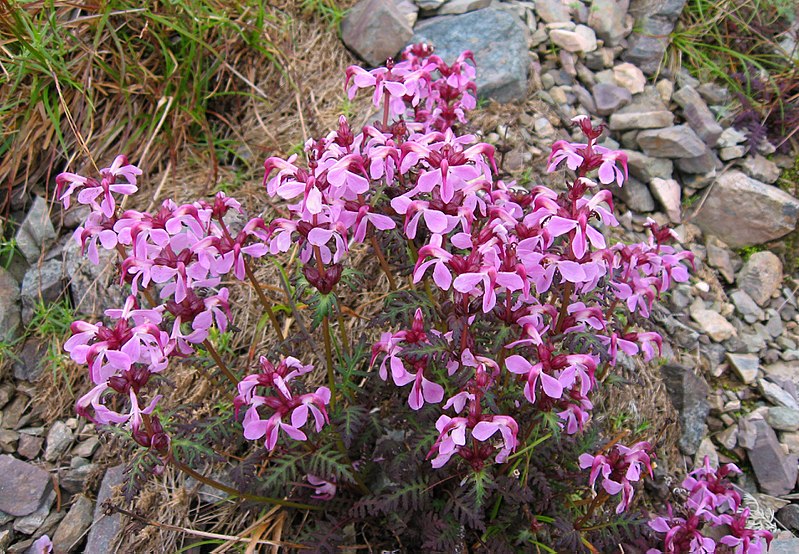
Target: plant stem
x=230, y=490
x=331, y=378
x=564, y=305
x=345, y=341
x=264, y=300
x=220, y=364
x=383, y=263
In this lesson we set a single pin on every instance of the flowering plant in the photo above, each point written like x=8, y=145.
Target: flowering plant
x=521, y=306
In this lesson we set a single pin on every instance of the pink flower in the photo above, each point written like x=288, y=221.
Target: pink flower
x=619, y=468
x=324, y=489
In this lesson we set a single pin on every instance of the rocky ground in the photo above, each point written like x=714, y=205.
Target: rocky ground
x=732, y=367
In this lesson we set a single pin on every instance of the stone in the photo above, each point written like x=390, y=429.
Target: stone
x=29, y=364
x=93, y=287
x=745, y=366
x=86, y=448
x=553, y=11
x=457, y=7
x=698, y=115
x=783, y=419
x=626, y=120
x=503, y=63
x=784, y=545
x=668, y=193
x=777, y=395
x=29, y=446
x=654, y=22
x=74, y=478
x=105, y=528
x=636, y=195
x=728, y=438
x=630, y=77
x=720, y=257
x=688, y=393
x=10, y=316
x=429, y=5
x=31, y=522
x=742, y=211
x=375, y=30
x=5, y=539
x=608, y=18
x=678, y=141
x=706, y=449
x=645, y=168
x=775, y=470
x=762, y=169
x=8, y=441
x=42, y=283
x=22, y=487
x=582, y=39
x=608, y=98
x=730, y=137
x=714, y=93
x=713, y=324
x=71, y=529
x=761, y=276
x=36, y=232
x=733, y=152
x=700, y=165
x=58, y=440
x=409, y=11
x=789, y=517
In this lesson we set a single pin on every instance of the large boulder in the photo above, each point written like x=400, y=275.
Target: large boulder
x=742, y=211
x=496, y=38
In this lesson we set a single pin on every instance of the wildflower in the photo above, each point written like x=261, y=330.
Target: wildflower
x=619, y=468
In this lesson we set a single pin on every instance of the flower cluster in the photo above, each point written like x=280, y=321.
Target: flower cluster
x=281, y=404
x=619, y=469
x=711, y=509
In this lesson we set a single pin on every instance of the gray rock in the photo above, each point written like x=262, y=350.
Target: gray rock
x=105, y=528
x=22, y=487
x=645, y=168
x=688, y=393
x=776, y=471
x=784, y=545
x=581, y=39
x=609, y=19
x=789, y=517
x=729, y=437
x=777, y=395
x=720, y=257
x=706, y=449
x=609, y=98
x=636, y=195
x=10, y=317
x=679, y=141
x=502, y=63
x=553, y=11
x=457, y=7
x=733, y=152
x=93, y=287
x=774, y=326
x=731, y=137
x=42, y=283
x=783, y=419
x=6, y=537
x=713, y=324
x=761, y=276
x=762, y=169
x=667, y=192
x=86, y=448
x=74, y=479
x=8, y=441
x=31, y=522
x=36, y=232
x=714, y=93
x=29, y=446
x=408, y=10
x=429, y=5
x=698, y=115
x=375, y=30
x=742, y=211
x=629, y=76
x=29, y=364
x=58, y=440
x=654, y=22
x=745, y=366
x=74, y=525
x=626, y=120
x=700, y=165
